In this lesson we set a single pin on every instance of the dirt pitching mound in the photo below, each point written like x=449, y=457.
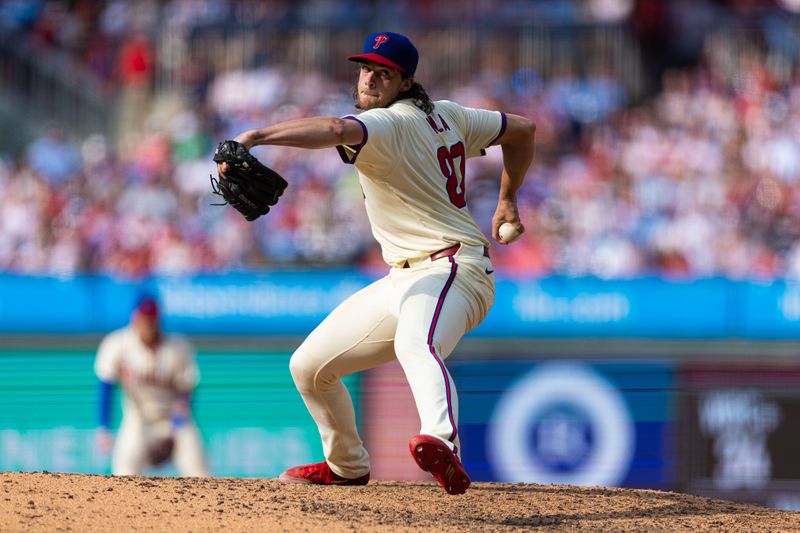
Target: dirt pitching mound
x=83, y=503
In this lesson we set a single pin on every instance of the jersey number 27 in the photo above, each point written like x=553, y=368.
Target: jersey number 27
x=456, y=183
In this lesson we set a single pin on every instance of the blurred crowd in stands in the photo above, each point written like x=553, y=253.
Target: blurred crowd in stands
x=701, y=179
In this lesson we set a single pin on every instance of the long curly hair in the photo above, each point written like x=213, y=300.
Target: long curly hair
x=420, y=96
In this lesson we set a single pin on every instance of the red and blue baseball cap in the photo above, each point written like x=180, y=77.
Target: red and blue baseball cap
x=390, y=49
x=147, y=306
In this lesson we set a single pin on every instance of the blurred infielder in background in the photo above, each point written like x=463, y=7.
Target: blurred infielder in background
x=157, y=373
x=410, y=154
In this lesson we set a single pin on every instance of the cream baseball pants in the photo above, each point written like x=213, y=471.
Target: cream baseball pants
x=417, y=315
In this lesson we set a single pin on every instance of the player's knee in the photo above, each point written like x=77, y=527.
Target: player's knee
x=308, y=375
x=418, y=348
x=302, y=371
x=410, y=347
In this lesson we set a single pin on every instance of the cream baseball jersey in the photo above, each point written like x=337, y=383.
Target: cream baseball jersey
x=411, y=168
x=152, y=380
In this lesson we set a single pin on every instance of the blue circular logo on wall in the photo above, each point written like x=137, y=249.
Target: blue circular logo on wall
x=562, y=424
x=562, y=437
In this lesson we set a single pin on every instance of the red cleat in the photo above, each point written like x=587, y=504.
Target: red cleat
x=434, y=456
x=319, y=474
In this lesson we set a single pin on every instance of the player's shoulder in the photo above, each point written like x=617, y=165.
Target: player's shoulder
x=407, y=107
x=379, y=112
x=455, y=108
x=384, y=122
x=452, y=110
x=119, y=335
x=178, y=342
x=115, y=341
x=448, y=105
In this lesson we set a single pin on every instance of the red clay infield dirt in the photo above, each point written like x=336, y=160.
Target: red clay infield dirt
x=84, y=503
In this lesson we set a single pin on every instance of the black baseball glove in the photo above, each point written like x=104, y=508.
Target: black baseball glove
x=159, y=451
x=248, y=185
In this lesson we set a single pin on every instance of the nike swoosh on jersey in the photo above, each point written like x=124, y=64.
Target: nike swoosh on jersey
x=489, y=271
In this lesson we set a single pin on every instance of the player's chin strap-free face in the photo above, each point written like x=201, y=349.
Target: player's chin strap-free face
x=148, y=329
x=381, y=84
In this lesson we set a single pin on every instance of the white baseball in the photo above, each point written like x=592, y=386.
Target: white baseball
x=508, y=232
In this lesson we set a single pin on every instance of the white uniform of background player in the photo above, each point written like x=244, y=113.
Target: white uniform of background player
x=157, y=373
x=440, y=285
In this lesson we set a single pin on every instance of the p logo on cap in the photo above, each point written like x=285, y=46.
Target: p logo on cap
x=390, y=49
x=379, y=40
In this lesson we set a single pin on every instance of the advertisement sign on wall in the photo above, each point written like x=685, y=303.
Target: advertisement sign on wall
x=252, y=419
x=293, y=302
x=567, y=422
x=740, y=437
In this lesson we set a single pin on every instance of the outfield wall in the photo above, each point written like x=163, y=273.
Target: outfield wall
x=293, y=302
x=252, y=419
x=676, y=386
x=708, y=426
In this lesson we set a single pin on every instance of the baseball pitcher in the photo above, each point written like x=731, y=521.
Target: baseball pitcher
x=410, y=153
x=157, y=373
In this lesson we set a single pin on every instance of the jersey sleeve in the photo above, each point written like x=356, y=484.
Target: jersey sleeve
x=187, y=375
x=482, y=128
x=107, y=361
x=380, y=147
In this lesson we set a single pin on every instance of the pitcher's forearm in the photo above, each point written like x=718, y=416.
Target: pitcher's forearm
x=511, y=181
x=517, y=144
x=314, y=132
